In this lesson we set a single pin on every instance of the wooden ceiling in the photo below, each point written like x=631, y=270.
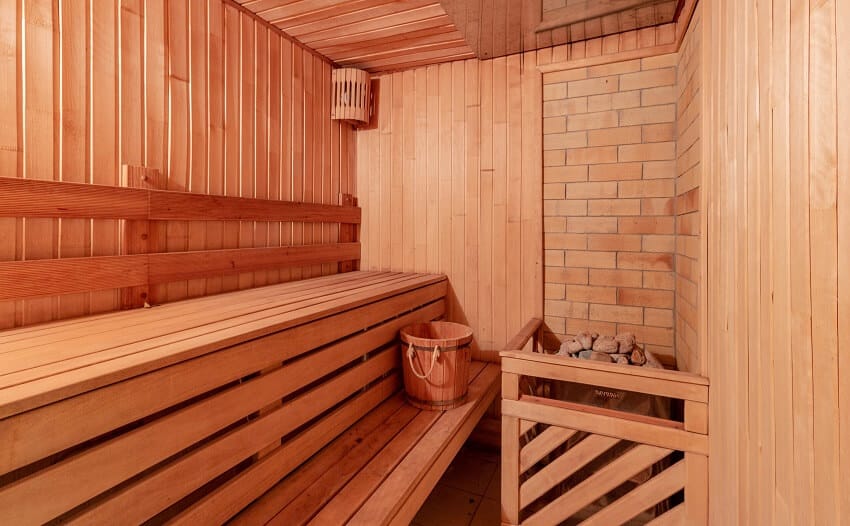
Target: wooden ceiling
x=376, y=35
x=383, y=35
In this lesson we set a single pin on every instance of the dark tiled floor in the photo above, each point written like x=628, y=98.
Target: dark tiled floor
x=468, y=493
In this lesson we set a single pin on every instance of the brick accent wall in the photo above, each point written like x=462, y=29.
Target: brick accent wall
x=609, y=143
x=688, y=180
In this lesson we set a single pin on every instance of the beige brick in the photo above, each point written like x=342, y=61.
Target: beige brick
x=591, y=121
x=612, y=136
x=557, y=141
x=565, y=207
x=665, y=131
x=565, y=241
x=575, y=326
x=613, y=207
x=591, y=190
x=600, y=155
x=646, y=335
x=567, y=309
x=554, y=191
x=553, y=291
x=615, y=172
x=655, y=243
x=648, y=115
x=554, y=224
x=607, y=295
x=653, y=188
x=645, y=297
x=656, y=96
x=615, y=68
x=654, y=151
x=595, y=225
x=614, y=242
x=625, y=99
x=565, y=75
x=658, y=280
x=590, y=259
x=657, y=206
x=660, y=61
x=556, y=325
x=582, y=88
x=616, y=313
x=554, y=124
x=553, y=258
x=554, y=158
x=647, y=79
x=659, y=169
x=576, y=105
x=645, y=225
x=569, y=276
x=643, y=261
x=555, y=91
x=658, y=317
x=565, y=174
x=615, y=278
x=604, y=102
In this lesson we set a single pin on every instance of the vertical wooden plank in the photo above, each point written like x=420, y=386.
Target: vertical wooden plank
x=40, y=235
x=232, y=126
x=515, y=168
x=444, y=168
x=457, y=278
x=385, y=127
x=310, y=149
x=432, y=174
x=297, y=148
x=419, y=131
x=532, y=188
x=214, y=234
x=75, y=234
x=393, y=98
x=510, y=454
x=198, y=126
x=485, y=208
x=259, y=148
x=473, y=177
x=246, y=147
x=136, y=238
x=499, y=336
x=274, y=107
x=696, y=489
x=410, y=221
x=103, y=130
x=10, y=137
x=286, y=141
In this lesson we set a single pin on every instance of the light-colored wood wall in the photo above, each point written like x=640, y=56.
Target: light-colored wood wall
x=689, y=243
x=609, y=186
x=212, y=97
x=450, y=181
x=776, y=159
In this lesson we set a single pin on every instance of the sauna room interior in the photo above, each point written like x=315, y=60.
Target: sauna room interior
x=429, y=263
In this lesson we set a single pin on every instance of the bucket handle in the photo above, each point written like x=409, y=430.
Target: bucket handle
x=411, y=353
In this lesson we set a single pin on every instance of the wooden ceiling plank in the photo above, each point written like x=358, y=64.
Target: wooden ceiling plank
x=404, y=43
x=402, y=51
x=325, y=14
x=382, y=22
x=587, y=9
x=380, y=33
x=348, y=50
x=355, y=17
x=419, y=62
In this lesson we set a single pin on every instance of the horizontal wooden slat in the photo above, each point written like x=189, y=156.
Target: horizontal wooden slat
x=549, y=412
x=674, y=384
x=543, y=444
x=34, y=198
x=51, y=277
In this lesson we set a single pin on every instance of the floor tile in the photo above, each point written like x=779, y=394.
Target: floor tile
x=494, y=489
x=487, y=514
x=447, y=506
x=469, y=473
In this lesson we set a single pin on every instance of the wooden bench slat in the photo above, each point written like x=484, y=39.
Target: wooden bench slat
x=293, y=486
x=398, y=486
x=84, y=476
x=227, y=500
x=91, y=414
x=39, y=386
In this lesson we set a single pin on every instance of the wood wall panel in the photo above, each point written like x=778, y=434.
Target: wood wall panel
x=776, y=192
x=212, y=97
x=450, y=180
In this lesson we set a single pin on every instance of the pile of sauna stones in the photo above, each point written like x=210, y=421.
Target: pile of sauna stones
x=622, y=348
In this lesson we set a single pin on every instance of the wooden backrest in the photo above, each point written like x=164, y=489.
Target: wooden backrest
x=146, y=259
x=200, y=438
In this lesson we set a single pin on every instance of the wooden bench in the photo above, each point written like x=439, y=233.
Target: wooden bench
x=268, y=404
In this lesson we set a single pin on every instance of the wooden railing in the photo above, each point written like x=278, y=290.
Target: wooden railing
x=143, y=262
x=546, y=442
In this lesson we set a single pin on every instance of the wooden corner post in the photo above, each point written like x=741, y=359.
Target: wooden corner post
x=348, y=234
x=510, y=453
x=140, y=237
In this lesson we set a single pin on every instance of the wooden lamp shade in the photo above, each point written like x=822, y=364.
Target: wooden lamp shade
x=352, y=97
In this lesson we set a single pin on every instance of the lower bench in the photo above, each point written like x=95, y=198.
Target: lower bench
x=251, y=404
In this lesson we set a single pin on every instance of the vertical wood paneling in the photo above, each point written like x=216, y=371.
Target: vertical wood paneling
x=451, y=181
x=775, y=193
x=204, y=92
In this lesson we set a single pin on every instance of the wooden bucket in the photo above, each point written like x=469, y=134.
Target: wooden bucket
x=435, y=359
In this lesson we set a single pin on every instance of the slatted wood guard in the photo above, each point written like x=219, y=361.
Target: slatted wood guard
x=155, y=404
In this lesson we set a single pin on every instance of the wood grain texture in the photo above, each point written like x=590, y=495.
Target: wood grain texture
x=775, y=196
x=435, y=191
x=88, y=87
